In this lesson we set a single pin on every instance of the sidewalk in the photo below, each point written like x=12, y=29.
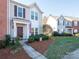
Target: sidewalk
x=73, y=55
x=31, y=52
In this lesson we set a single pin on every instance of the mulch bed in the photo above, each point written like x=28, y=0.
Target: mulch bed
x=41, y=46
x=6, y=54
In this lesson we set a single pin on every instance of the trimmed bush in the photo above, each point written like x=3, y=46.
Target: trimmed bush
x=66, y=34
x=56, y=34
x=44, y=37
x=7, y=39
x=62, y=34
x=33, y=38
x=2, y=44
x=36, y=37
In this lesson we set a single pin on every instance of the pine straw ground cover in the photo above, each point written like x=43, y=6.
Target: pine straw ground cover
x=41, y=46
x=6, y=54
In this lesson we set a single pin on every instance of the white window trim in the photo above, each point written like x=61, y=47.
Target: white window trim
x=22, y=12
x=17, y=11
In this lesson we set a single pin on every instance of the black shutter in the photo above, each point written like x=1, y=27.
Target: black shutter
x=15, y=10
x=23, y=12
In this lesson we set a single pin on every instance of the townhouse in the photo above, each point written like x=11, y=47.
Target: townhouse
x=63, y=24
x=19, y=20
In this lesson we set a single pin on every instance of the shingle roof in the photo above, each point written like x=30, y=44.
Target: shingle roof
x=71, y=18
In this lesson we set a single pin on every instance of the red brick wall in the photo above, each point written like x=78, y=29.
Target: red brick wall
x=3, y=18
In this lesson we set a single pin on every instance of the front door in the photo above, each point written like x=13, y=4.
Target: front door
x=20, y=32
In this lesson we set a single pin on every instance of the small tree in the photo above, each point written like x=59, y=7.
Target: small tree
x=47, y=30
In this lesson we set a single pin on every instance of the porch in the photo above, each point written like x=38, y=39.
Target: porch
x=20, y=28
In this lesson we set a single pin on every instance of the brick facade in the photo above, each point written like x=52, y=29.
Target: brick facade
x=3, y=18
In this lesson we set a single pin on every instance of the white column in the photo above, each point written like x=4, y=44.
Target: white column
x=24, y=31
x=72, y=31
x=15, y=30
x=28, y=29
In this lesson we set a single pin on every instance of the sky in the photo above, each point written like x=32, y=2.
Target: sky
x=56, y=7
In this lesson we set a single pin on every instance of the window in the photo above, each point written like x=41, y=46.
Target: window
x=32, y=15
x=36, y=16
x=32, y=31
x=75, y=30
x=15, y=10
x=19, y=11
x=58, y=22
x=78, y=23
x=63, y=22
x=67, y=23
x=36, y=30
x=72, y=23
x=24, y=12
x=70, y=30
x=75, y=23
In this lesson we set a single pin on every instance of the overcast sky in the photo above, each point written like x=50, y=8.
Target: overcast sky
x=56, y=7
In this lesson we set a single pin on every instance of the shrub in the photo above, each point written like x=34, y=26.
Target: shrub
x=66, y=34
x=2, y=44
x=31, y=38
x=56, y=34
x=15, y=43
x=36, y=37
x=44, y=37
x=62, y=34
x=7, y=39
x=77, y=34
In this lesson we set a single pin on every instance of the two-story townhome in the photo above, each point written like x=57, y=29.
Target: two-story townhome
x=3, y=18
x=35, y=18
x=74, y=24
x=20, y=20
x=63, y=24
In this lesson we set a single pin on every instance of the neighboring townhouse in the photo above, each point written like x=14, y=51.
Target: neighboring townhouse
x=51, y=21
x=63, y=24
x=20, y=20
x=3, y=18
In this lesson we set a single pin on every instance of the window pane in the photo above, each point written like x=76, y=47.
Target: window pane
x=19, y=12
x=23, y=12
x=36, y=31
x=32, y=31
x=15, y=10
x=36, y=16
x=32, y=15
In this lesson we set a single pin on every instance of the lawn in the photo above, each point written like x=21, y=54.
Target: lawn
x=62, y=46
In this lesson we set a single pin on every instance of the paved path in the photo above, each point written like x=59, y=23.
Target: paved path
x=32, y=52
x=73, y=55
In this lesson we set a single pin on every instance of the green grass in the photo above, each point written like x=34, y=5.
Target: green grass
x=62, y=46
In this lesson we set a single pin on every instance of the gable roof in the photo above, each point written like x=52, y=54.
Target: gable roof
x=15, y=2
x=67, y=18
x=24, y=5
x=35, y=5
x=71, y=18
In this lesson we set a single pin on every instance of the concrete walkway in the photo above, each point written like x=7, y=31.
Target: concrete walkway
x=73, y=55
x=32, y=52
